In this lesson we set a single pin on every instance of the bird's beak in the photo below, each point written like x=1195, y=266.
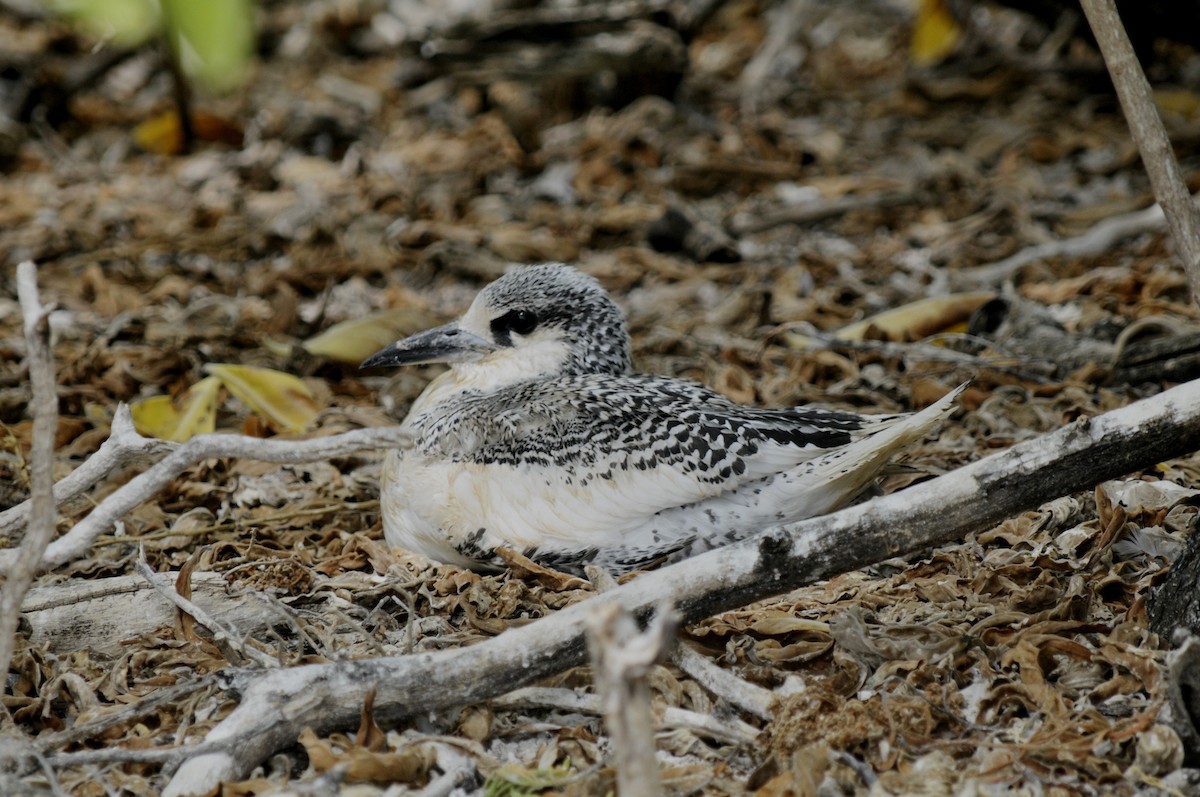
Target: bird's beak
x=444, y=344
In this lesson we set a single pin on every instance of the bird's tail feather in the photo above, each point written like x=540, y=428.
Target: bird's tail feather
x=859, y=463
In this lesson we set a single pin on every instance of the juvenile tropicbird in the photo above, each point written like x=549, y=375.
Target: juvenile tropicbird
x=541, y=439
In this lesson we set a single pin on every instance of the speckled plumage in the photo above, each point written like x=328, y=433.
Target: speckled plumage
x=540, y=438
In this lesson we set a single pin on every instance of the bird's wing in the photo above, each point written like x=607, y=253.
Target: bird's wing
x=589, y=458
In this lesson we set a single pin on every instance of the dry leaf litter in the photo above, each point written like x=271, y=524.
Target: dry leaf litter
x=794, y=184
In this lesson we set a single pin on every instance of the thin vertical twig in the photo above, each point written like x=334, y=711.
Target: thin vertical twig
x=622, y=656
x=42, y=515
x=1137, y=101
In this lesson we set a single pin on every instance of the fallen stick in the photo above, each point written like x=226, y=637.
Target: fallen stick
x=276, y=705
x=1099, y=239
x=123, y=446
x=732, y=730
x=622, y=656
x=1137, y=101
x=42, y=517
x=78, y=541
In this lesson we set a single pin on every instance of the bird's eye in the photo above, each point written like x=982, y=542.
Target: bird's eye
x=520, y=321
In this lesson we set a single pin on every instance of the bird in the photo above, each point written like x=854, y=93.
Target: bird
x=542, y=439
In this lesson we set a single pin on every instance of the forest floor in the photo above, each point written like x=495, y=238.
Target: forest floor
x=744, y=188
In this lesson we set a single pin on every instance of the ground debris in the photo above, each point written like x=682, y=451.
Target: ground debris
x=760, y=195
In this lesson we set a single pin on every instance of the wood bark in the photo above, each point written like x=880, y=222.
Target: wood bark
x=276, y=705
x=96, y=614
x=1137, y=101
x=42, y=516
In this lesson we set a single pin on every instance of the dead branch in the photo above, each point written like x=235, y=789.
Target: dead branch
x=535, y=697
x=1183, y=677
x=622, y=655
x=1099, y=239
x=1137, y=101
x=78, y=541
x=455, y=766
x=42, y=516
x=275, y=706
x=123, y=446
x=744, y=695
x=97, y=614
x=722, y=683
x=226, y=638
x=49, y=742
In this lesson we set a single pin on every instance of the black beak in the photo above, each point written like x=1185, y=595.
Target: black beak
x=444, y=344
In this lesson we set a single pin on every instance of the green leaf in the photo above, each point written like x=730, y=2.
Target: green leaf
x=213, y=40
x=126, y=22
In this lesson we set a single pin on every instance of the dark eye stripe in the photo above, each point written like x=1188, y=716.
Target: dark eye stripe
x=520, y=321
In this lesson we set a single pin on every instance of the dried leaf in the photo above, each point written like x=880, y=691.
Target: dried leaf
x=354, y=340
x=935, y=33
x=185, y=624
x=282, y=399
x=370, y=736
x=525, y=568
x=1178, y=101
x=917, y=320
x=163, y=135
x=363, y=765
x=178, y=419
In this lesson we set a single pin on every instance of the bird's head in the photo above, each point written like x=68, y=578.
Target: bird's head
x=535, y=322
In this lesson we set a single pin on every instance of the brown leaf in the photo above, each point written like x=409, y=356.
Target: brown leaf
x=525, y=568
x=163, y=134
x=370, y=736
x=185, y=624
x=364, y=765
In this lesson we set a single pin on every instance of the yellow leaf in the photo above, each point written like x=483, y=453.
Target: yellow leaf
x=935, y=34
x=160, y=134
x=193, y=413
x=936, y=315
x=282, y=399
x=916, y=320
x=776, y=623
x=163, y=134
x=357, y=339
x=1180, y=102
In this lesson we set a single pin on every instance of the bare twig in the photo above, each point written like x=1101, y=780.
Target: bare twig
x=276, y=705
x=1149, y=134
x=729, y=730
x=41, y=469
x=1100, y=238
x=622, y=656
x=743, y=694
x=811, y=213
x=144, y=486
x=456, y=767
x=226, y=639
x=167, y=695
x=123, y=446
x=125, y=755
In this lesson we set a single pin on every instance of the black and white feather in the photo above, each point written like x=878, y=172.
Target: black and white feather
x=539, y=438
